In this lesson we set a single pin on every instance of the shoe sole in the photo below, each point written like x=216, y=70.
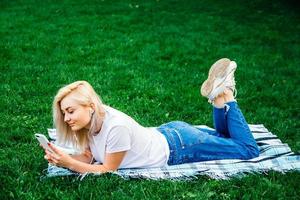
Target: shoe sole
x=218, y=70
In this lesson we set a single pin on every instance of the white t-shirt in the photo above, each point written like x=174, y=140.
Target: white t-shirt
x=146, y=147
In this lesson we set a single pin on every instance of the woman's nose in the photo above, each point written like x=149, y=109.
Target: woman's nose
x=66, y=118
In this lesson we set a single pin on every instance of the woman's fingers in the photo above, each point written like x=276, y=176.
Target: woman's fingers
x=47, y=151
x=55, y=157
x=48, y=159
x=54, y=149
x=51, y=157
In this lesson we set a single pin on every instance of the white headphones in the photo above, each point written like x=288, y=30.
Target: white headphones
x=91, y=112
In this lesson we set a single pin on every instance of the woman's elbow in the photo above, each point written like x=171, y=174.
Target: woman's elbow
x=105, y=168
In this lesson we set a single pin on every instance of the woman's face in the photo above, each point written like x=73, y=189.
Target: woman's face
x=75, y=115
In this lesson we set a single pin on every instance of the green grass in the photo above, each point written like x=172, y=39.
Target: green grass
x=146, y=58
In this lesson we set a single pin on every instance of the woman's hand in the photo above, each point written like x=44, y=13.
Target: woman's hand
x=58, y=158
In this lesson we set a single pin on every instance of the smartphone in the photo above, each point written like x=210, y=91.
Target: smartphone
x=43, y=141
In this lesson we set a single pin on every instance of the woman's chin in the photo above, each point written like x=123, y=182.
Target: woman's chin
x=74, y=128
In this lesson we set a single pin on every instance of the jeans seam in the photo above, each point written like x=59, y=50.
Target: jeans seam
x=180, y=139
x=172, y=145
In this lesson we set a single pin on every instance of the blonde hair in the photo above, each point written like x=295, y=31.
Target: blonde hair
x=84, y=94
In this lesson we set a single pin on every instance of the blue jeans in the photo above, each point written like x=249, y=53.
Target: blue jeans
x=232, y=138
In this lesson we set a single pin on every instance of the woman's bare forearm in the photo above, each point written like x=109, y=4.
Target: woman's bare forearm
x=81, y=167
x=112, y=163
x=85, y=157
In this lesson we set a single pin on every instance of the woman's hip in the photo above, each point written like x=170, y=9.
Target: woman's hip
x=190, y=144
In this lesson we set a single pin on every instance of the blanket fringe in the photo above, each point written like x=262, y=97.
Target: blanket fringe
x=179, y=176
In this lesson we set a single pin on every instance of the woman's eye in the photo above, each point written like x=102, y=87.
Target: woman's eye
x=71, y=111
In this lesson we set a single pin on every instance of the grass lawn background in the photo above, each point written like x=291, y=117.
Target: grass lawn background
x=148, y=59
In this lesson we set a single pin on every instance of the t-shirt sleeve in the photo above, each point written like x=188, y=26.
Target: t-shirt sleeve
x=118, y=139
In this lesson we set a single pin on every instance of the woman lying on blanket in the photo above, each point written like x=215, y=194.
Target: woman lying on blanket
x=117, y=141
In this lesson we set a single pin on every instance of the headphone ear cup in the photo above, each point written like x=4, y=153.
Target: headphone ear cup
x=91, y=112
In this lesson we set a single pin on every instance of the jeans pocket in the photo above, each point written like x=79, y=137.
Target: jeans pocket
x=189, y=136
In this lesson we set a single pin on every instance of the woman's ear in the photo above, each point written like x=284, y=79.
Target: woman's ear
x=92, y=105
x=92, y=109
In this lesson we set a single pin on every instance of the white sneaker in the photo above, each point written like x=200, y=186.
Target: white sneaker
x=220, y=77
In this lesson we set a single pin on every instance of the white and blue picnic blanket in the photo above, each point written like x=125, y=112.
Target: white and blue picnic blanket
x=274, y=155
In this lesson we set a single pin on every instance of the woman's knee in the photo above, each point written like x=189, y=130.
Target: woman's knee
x=253, y=152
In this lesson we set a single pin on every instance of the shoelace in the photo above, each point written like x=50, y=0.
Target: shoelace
x=230, y=84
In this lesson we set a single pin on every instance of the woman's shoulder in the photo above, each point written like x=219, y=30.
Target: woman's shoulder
x=115, y=117
x=115, y=112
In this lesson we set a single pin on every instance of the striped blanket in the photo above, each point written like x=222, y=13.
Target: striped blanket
x=274, y=155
